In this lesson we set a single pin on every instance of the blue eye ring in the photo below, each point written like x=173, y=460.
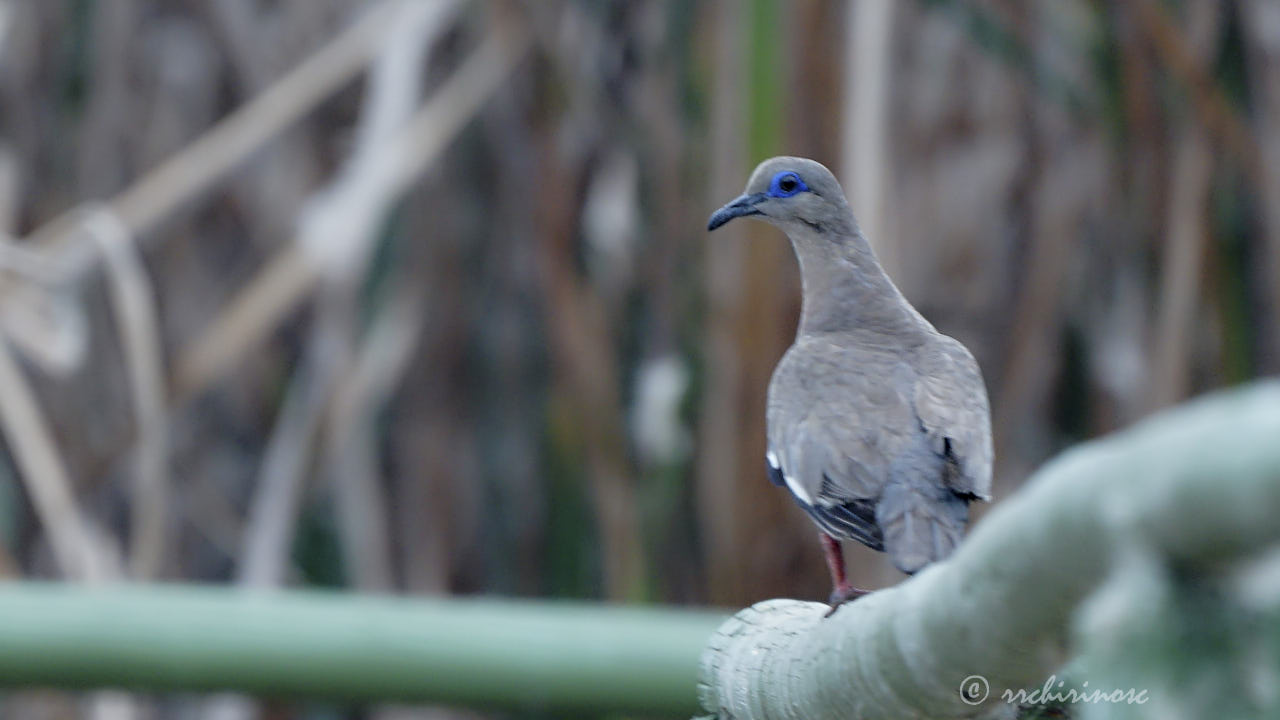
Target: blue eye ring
x=785, y=184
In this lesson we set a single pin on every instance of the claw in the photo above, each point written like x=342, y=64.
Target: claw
x=841, y=595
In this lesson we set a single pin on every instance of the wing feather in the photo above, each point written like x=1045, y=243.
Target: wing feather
x=951, y=402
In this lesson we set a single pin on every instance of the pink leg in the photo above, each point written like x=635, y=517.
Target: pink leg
x=841, y=591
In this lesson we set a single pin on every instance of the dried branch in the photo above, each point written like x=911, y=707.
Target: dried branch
x=78, y=552
x=336, y=231
x=134, y=304
x=1186, y=229
x=293, y=273
x=868, y=66
x=352, y=461
x=1208, y=99
x=224, y=147
x=1260, y=20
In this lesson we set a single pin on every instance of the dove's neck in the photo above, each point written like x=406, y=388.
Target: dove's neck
x=846, y=290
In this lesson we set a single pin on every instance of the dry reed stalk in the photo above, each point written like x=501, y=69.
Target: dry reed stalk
x=76, y=548
x=866, y=123
x=133, y=301
x=293, y=273
x=1186, y=230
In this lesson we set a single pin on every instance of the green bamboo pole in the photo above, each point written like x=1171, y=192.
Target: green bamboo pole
x=486, y=653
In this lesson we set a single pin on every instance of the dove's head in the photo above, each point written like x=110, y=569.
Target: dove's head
x=795, y=194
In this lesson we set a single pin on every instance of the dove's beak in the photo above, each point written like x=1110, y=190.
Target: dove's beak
x=741, y=206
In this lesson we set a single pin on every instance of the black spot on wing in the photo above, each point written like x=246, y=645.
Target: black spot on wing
x=953, y=470
x=775, y=474
x=854, y=520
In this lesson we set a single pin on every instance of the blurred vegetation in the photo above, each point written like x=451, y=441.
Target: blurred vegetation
x=538, y=376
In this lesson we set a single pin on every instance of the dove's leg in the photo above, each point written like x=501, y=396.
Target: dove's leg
x=841, y=591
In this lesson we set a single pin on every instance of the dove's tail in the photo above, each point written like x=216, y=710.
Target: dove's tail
x=921, y=522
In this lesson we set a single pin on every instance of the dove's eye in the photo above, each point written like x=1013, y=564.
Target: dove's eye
x=785, y=184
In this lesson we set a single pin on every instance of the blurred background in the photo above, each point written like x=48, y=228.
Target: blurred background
x=418, y=297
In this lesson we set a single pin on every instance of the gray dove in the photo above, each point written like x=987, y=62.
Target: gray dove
x=878, y=424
